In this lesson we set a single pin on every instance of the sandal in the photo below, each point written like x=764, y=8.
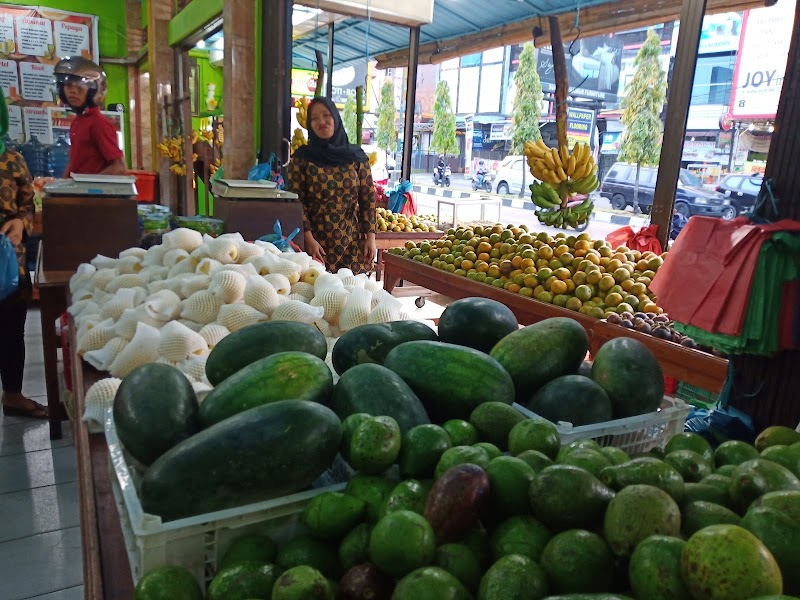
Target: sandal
x=37, y=411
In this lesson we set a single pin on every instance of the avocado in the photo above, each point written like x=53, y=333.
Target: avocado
x=375, y=445
x=654, y=570
x=494, y=421
x=430, y=583
x=691, y=465
x=687, y=440
x=460, y=562
x=523, y=535
x=304, y=550
x=455, y=501
x=727, y=562
x=617, y=456
x=578, y=561
x=477, y=540
x=331, y=515
x=513, y=577
x=302, y=583
x=754, y=478
x=647, y=471
x=365, y=581
x=775, y=436
x=734, y=452
x=509, y=481
x=786, y=502
x=706, y=493
x=492, y=451
x=637, y=512
x=373, y=490
x=781, y=535
x=721, y=482
x=407, y=495
x=564, y=496
x=786, y=456
x=535, y=459
x=585, y=458
x=243, y=580
x=697, y=515
x=354, y=549
x=726, y=470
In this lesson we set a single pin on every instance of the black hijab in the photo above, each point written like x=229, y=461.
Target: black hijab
x=333, y=152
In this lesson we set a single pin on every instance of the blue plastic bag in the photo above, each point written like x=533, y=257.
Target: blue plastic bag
x=9, y=268
x=276, y=238
x=397, y=196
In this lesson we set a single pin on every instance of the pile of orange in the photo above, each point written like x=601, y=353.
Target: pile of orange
x=397, y=223
x=574, y=272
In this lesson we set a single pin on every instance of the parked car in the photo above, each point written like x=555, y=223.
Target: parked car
x=509, y=175
x=691, y=198
x=741, y=189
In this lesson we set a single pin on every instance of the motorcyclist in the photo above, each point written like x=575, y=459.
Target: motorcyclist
x=482, y=171
x=440, y=167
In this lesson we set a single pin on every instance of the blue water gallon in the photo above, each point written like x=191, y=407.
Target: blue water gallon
x=35, y=155
x=59, y=157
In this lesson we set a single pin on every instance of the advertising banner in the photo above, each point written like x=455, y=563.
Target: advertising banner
x=345, y=82
x=580, y=125
x=469, y=129
x=761, y=61
x=32, y=41
x=593, y=70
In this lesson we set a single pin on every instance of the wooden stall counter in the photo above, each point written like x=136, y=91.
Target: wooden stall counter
x=692, y=366
x=106, y=570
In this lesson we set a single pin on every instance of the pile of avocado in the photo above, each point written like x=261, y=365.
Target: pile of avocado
x=494, y=508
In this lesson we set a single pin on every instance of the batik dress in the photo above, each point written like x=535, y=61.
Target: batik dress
x=16, y=198
x=338, y=209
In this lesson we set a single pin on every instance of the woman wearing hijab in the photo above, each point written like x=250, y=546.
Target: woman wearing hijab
x=16, y=222
x=333, y=181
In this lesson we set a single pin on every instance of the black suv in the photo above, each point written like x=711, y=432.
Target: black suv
x=741, y=189
x=691, y=198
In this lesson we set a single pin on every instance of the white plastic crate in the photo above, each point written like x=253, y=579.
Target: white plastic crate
x=632, y=434
x=198, y=543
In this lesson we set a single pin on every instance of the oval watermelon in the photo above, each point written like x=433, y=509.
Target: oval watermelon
x=572, y=399
x=476, y=323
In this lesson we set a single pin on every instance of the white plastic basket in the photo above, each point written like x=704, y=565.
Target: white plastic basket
x=632, y=434
x=198, y=543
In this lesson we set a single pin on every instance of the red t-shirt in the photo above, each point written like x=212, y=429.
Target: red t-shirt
x=93, y=142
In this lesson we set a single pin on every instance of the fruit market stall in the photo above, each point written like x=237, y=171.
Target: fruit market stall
x=695, y=367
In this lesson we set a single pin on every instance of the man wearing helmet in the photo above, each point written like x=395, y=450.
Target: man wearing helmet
x=94, y=149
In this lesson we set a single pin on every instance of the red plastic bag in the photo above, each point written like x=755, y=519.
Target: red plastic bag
x=643, y=241
x=409, y=206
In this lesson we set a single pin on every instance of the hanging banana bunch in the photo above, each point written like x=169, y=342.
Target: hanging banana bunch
x=298, y=139
x=302, y=112
x=562, y=177
x=373, y=158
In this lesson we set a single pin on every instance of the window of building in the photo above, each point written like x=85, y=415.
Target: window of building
x=491, y=86
x=475, y=81
x=712, y=80
x=468, y=89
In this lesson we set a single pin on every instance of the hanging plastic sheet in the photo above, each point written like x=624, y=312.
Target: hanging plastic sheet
x=643, y=241
x=9, y=268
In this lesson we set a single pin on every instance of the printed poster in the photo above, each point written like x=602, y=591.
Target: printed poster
x=32, y=40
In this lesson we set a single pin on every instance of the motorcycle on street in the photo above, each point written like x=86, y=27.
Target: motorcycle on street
x=442, y=177
x=482, y=181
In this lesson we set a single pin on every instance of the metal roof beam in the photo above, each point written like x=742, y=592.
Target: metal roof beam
x=612, y=17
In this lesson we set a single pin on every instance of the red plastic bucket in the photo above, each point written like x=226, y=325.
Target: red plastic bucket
x=145, y=185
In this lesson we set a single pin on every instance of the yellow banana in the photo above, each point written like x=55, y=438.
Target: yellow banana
x=549, y=161
x=562, y=176
x=556, y=157
x=564, y=151
x=571, y=165
x=542, y=145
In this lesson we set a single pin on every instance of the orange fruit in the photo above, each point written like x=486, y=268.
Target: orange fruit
x=558, y=287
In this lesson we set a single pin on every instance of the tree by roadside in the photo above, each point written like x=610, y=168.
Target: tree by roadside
x=527, y=108
x=644, y=99
x=444, y=122
x=386, y=138
x=349, y=118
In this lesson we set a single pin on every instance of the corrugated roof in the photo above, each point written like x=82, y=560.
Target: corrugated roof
x=355, y=39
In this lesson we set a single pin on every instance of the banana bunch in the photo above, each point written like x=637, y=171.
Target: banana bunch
x=213, y=167
x=298, y=139
x=557, y=166
x=373, y=158
x=172, y=148
x=302, y=112
x=573, y=216
x=544, y=195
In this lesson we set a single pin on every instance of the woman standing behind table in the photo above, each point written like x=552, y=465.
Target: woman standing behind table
x=333, y=181
x=16, y=223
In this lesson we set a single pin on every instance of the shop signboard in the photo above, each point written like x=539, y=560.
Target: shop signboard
x=469, y=130
x=345, y=82
x=703, y=151
x=611, y=141
x=580, y=125
x=720, y=33
x=501, y=131
x=32, y=40
x=593, y=70
x=761, y=61
x=407, y=12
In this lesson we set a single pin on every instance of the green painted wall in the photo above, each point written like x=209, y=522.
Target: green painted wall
x=112, y=37
x=206, y=74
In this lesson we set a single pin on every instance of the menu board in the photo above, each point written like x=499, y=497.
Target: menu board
x=32, y=40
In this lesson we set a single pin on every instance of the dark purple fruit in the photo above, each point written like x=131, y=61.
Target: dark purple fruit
x=614, y=319
x=627, y=323
x=662, y=333
x=644, y=327
x=689, y=343
x=640, y=315
x=661, y=319
x=455, y=502
x=627, y=315
x=365, y=582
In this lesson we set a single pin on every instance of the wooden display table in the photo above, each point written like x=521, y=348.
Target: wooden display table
x=52, y=287
x=254, y=217
x=692, y=366
x=106, y=570
x=390, y=239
